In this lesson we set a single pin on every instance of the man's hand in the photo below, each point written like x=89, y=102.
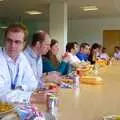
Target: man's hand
x=54, y=77
x=40, y=97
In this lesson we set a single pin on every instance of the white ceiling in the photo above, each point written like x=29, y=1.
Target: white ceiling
x=14, y=9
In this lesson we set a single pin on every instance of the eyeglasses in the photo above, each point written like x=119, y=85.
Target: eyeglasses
x=17, y=42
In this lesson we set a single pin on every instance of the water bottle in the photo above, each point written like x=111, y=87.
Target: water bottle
x=76, y=79
x=76, y=85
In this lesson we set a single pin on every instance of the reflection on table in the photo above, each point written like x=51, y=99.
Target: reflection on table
x=92, y=102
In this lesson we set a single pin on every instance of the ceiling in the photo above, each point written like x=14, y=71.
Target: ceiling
x=15, y=9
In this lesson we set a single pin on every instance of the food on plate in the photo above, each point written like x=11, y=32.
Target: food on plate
x=92, y=80
x=101, y=62
x=52, y=85
x=5, y=107
x=67, y=80
x=85, y=68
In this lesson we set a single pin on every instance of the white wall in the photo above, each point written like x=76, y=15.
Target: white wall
x=32, y=26
x=90, y=30
x=58, y=23
x=83, y=30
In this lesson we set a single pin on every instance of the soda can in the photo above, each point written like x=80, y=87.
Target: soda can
x=52, y=104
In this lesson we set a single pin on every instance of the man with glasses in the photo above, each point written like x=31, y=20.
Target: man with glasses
x=17, y=80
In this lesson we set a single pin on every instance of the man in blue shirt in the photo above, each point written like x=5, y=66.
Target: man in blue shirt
x=84, y=52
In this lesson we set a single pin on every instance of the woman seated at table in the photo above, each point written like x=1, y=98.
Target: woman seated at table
x=51, y=63
x=93, y=56
x=104, y=55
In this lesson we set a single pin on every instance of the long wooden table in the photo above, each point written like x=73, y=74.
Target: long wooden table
x=92, y=102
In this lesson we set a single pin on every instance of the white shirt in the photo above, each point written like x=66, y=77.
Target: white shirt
x=97, y=54
x=117, y=55
x=19, y=71
x=73, y=58
x=36, y=64
x=104, y=56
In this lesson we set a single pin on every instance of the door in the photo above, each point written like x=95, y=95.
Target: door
x=111, y=38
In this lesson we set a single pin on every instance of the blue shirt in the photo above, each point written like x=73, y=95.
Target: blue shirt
x=35, y=62
x=82, y=56
x=20, y=74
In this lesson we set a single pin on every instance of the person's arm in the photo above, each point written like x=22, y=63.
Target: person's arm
x=29, y=81
x=40, y=97
x=63, y=68
x=47, y=66
x=28, y=84
x=11, y=96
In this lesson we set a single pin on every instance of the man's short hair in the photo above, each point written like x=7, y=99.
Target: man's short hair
x=38, y=36
x=83, y=45
x=75, y=43
x=17, y=27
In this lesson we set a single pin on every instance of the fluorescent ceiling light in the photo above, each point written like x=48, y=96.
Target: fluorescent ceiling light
x=33, y=12
x=3, y=27
x=89, y=8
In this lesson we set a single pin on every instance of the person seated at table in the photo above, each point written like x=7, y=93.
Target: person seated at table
x=93, y=56
x=39, y=46
x=17, y=80
x=99, y=51
x=51, y=62
x=117, y=53
x=84, y=52
x=71, y=51
x=104, y=54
